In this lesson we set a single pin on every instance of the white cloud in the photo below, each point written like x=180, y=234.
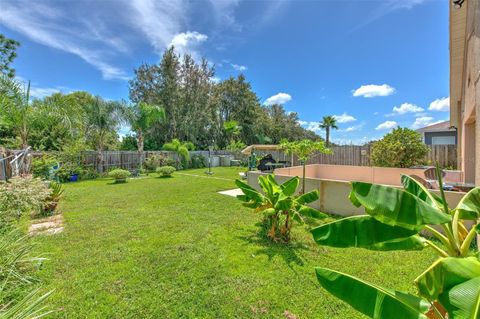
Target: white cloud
x=188, y=42
x=224, y=12
x=159, y=20
x=353, y=128
x=310, y=125
x=344, y=118
x=45, y=24
x=238, y=67
x=407, y=108
x=387, y=125
x=441, y=105
x=279, y=98
x=373, y=90
x=424, y=121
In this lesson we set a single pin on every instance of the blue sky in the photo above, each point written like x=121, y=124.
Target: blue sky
x=372, y=64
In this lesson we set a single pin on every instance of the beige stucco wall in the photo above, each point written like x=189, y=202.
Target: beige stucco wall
x=370, y=174
x=469, y=126
x=333, y=193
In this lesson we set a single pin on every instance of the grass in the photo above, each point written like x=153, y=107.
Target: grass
x=174, y=248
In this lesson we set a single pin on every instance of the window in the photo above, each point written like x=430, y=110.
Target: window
x=443, y=140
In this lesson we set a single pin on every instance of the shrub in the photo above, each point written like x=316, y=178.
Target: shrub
x=42, y=167
x=52, y=200
x=120, y=175
x=198, y=161
x=152, y=162
x=402, y=147
x=88, y=173
x=166, y=171
x=279, y=205
x=22, y=195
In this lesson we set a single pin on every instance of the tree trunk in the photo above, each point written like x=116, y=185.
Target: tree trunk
x=327, y=139
x=140, y=140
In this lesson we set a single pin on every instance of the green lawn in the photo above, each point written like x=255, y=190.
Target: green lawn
x=174, y=248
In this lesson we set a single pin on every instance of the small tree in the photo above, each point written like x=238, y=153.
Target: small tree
x=181, y=148
x=304, y=149
x=328, y=122
x=402, y=147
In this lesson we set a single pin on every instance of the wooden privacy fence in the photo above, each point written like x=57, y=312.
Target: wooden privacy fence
x=130, y=160
x=445, y=155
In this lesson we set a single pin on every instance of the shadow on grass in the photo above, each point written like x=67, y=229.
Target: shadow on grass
x=289, y=252
x=165, y=177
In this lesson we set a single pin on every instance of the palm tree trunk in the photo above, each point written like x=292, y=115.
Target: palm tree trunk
x=327, y=139
x=140, y=143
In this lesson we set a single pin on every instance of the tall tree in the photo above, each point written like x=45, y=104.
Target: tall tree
x=142, y=117
x=16, y=112
x=328, y=122
x=102, y=118
x=8, y=53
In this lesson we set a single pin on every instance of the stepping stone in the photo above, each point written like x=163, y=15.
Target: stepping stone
x=232, y=192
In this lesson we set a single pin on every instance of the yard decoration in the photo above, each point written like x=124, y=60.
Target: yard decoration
x=279, y=206
x=394, y=221
x=304, y=150
x=120, y=175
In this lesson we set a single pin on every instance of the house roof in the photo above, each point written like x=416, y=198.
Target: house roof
x=437, y=127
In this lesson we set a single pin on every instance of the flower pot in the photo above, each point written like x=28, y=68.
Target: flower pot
x=73, y=177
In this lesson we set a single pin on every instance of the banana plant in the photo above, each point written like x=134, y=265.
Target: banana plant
x=278, y=204
x=394, y=220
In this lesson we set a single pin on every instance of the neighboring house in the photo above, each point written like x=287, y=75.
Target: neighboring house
x=439, y=134
x=465, y=84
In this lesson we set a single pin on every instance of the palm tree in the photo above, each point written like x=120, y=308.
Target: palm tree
x=17, y=111
x=102, y=117
x=181, y=148
x=141, y=118
x=328, y=122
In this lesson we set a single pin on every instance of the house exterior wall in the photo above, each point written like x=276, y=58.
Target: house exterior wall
x=464, y=110
x=429, y=135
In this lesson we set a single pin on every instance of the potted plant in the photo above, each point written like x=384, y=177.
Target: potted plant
x=120, y=175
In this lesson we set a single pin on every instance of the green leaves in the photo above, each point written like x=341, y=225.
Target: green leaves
x=395, y=207
x=469, y=205
x=279, y=205
x=463, y=300
x=417, y=189
x=366, y=232
x=446, y=273
x=372, y=301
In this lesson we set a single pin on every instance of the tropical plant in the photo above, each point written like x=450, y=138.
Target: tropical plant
x=232, y=130
x=182, y=149
x=17, y=111
x=402, y=147
x=166, y=171
x=18, y=298
x=120, y=175
x=52, y=200
x=304, y=149
x=279, y=206
x=395, y=218
x=21, y=195
x=328, y=122
x=142, y=117
x=102, y=117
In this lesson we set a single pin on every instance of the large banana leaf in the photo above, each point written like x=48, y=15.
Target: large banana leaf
x=307, y=211
x=374, y=302
x=395, y=207
x=469, y=205
x=251, y=194
x=446, y=273
x=366, y=232
x=463, y=300
x=308, y=197
x=290, y=186
x=414, y=187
